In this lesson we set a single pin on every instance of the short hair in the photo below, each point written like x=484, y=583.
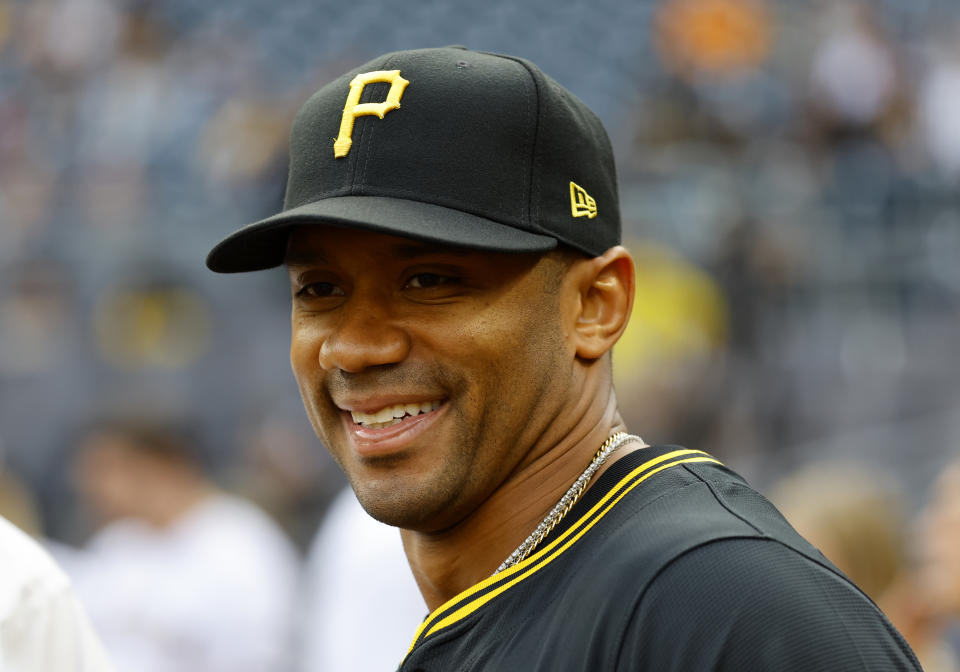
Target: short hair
x=165, y=439
x=856, y=513
x=562, y=257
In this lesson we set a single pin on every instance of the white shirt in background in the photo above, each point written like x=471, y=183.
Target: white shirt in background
x=362, y=603
x=42, y=625
x=215, y=592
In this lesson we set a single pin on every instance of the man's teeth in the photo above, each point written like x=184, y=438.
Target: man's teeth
x=391, y=415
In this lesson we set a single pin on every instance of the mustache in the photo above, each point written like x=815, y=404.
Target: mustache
x=411, y=377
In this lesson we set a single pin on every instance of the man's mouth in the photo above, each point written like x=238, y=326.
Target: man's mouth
x=392, y=415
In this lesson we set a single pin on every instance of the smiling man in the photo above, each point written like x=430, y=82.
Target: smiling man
x=451, y=232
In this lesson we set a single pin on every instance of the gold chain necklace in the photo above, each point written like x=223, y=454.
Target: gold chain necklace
x=567, y=501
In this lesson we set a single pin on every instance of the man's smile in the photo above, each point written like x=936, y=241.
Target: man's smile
x=378, y=428
x=394, y=414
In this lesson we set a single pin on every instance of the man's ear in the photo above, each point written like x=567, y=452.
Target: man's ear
x=606, y=287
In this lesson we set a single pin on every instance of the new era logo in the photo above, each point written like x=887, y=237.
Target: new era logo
x=581, y=203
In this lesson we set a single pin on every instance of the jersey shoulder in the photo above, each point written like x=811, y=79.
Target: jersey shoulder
x=688, y=504
x=703, y=572
x=757, y=603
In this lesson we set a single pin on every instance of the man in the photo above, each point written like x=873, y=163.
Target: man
x=181, y=575
x=43, y=627
x=451, y=232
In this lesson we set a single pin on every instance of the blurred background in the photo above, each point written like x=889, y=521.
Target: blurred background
x=789, y=176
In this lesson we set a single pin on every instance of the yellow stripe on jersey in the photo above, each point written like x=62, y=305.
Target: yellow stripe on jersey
x=554, y=549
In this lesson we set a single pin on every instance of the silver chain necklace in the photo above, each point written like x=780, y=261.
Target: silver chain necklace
x=567, y=501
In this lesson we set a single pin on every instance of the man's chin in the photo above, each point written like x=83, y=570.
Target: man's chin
x=411, y=508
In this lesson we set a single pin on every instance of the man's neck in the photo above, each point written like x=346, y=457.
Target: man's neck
x=175, y=501
x=448, y=562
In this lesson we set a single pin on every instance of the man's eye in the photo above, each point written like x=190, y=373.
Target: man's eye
x=428, y=280
x=317, y=290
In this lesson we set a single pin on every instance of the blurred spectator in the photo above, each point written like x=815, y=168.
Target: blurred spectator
x=938, y=109
x=362, y=606
x=858, y=519
x=940, y=545
x=285, y=472
x=42, y=626
x=17, y=504
x=264, y=129
x=713, y=37
x=151, y=323
x=182, y=577
x=69, y=37
x=25, y=192
x=36, y=307
x=853, y=75
x=673, y=346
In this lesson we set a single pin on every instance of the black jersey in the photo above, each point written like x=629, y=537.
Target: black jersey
x=670, y=562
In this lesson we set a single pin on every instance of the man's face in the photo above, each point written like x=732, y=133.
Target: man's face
x=429, y=372
x=108, y=473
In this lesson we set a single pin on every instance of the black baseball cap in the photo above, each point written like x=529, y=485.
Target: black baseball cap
x=447, y=145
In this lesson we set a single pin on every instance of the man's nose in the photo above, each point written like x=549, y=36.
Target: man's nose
x=364, y=336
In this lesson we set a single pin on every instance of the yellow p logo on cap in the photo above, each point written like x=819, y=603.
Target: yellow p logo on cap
x=354, y=108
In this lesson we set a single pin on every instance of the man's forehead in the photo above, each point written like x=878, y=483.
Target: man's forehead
x=313, y=244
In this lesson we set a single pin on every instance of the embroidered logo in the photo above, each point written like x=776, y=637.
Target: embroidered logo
x=581, y=203
x=354, y=108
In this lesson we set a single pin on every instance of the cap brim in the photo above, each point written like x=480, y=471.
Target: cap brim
x=263, y=244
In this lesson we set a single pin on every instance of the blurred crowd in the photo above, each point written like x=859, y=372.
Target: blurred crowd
x=789, y=183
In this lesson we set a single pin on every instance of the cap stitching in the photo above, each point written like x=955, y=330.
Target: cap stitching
x=533, y=205
x=525, y=175
x=372, y=132
x=361, y=145
x=362, y=148
x=350, y=173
